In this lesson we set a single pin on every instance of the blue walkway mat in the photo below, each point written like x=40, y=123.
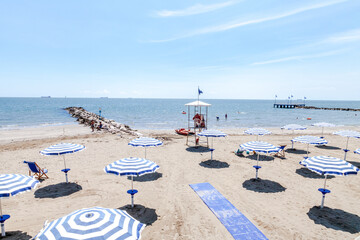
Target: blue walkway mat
x=235, y=222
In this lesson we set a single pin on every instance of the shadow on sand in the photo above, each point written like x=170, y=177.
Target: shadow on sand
x=57, y=190
x=262, y=158
x=16, y=235
x=141, y=213
x=305, y=172
x=147, y=177
x=328, y=147
x=356, y=164
x=336, y=219
x=198, y=149
x=296, y=151
x=214, y=164
x=263, y=186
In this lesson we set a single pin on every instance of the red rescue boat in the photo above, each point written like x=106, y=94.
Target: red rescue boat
x=183, y=131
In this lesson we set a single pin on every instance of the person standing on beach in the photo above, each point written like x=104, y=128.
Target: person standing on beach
x=92, y=124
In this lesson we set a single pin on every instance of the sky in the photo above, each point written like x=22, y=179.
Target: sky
x=231, y=49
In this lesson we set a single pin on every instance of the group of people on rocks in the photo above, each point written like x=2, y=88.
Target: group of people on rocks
x=92, y=124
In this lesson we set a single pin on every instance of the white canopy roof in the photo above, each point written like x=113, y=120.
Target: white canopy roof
x=198, y=103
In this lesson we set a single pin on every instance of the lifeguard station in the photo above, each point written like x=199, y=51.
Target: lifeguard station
x=197, y=120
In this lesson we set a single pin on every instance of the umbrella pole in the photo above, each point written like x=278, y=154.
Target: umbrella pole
x=323, y=198
x=257, y=164
x=257, y=137
x=212, y=148
x=322, y=132
x=132, y=189
x=2, y=223
x=292, y=142
x=145, y=152
x=346, y=150
x=307, y=151
x=66, y=176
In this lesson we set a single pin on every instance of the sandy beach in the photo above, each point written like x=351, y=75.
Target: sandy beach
x=287, y=207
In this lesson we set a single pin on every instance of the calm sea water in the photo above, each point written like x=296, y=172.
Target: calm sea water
x=167, y=113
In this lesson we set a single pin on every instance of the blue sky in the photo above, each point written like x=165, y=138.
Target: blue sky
x=238, y=49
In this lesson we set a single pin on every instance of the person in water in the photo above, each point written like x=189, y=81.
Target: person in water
x=225, y=116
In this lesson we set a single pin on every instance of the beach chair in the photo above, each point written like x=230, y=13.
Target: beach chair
x=35, y=170
x=281, y=153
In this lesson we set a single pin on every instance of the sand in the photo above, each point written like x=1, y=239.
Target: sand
x=283, y=205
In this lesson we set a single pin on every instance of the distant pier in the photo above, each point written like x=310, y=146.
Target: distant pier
x=288, y=105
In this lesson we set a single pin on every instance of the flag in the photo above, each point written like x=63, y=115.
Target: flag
x=288, y=97
x=200, y=92
x=275, y=95
x=304, y=97
x=292, y=96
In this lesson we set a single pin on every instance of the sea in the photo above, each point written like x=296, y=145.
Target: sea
x=165, y=114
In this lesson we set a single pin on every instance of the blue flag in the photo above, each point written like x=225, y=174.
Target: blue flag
x=275, y=95
x=200, y=92
x=304, y=97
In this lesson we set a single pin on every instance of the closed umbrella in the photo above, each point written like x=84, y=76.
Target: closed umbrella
x=131, y=167
x=259, y=147
x=293, y=127
x=257, y=131
x=348, y=134
x=11, y=185
x=309, y=140
x=213, y=134
x=323, y=125
x=145, y=142
x=325, y=165
x=62, y=149
x=93, y=223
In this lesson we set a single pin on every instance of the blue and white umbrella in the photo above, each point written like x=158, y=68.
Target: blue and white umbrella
x=357, y=151
x=62, y=149
x=323, y=125
x=131, y=167
x=145, y=142
x=348, y=134
x=293, y=127
x=259, y=147
x=257, y=131
x=93, y=223
x=309, y=140
x=11, y=185
x=213, y=134
x=325, y=165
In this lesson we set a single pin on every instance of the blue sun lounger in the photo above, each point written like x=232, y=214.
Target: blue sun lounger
x=35, y=170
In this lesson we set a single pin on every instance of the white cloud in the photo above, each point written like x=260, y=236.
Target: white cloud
x=237, y=24
x=350, y=36
x=299, y=58
x=194, y=10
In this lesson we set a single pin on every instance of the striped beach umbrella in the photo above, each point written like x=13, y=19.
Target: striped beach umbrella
x=357, y=151
x=259, y=147
x=11, y=185
x=293, y=127
x=62, y=149
x=93, y=223
x=323, y=125
x=131, y=167
x=309, y=140
x=257, y=131
x=145, y=142
x=325, y=165
x=348, y=134
x=213, y=134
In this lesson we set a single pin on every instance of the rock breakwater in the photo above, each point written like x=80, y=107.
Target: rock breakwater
x=107, y=125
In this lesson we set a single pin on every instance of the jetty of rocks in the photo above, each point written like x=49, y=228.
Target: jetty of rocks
x=108, y=125
x=324, y=108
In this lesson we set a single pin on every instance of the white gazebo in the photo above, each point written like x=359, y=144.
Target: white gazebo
x=197, y=118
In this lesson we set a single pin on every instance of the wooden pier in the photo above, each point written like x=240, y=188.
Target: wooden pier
x=288, y=105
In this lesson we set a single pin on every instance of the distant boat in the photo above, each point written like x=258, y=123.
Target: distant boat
x=104, y=97
x=45, y=96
